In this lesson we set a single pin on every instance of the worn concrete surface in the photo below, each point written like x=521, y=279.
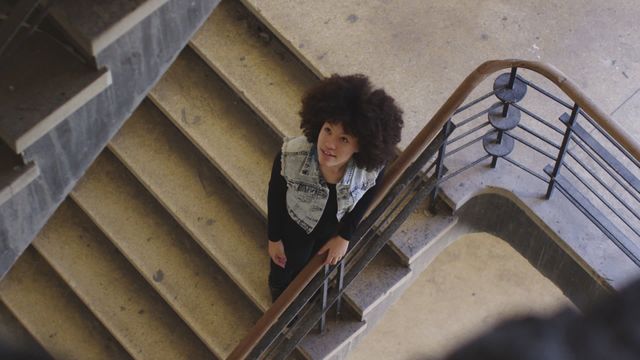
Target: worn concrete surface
x=169, y=259
x=474, y=283
x=64, y=153
x=420, y=51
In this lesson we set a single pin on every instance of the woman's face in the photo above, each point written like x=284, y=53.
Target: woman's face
x=335, y=147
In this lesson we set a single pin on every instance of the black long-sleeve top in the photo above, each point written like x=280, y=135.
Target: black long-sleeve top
x=281, y=226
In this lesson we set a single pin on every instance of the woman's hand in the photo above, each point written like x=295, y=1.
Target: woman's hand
x=336, y=247
x=276, y=253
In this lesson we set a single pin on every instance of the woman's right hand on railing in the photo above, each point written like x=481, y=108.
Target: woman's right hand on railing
x=276, y=253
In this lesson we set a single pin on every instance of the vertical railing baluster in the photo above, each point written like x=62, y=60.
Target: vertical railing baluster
x=340, y=286
x=325, y=290
x=505, y=111
x=563, y=150
x=446, y=129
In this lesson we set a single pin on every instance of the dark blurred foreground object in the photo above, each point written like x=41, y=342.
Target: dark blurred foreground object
x=609, y=330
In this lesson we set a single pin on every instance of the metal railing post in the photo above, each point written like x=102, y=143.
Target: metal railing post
x=505, y=111
x=446, y=129
x=325, y=290
x=340, y=286
x=563, y=150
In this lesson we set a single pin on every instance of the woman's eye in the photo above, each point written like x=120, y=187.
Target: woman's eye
x=345, y=140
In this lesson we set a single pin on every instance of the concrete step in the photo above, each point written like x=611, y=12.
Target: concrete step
x=15, y=179
x=379, y=279
x=207, y=111
x=114, y=291
x=169, y=259
x=95, y=24
x=55, y=316
x=198, y=197
x=34, y=99
x=420, y=230
x=263, y=11
x=255, y=64
x=15, y=337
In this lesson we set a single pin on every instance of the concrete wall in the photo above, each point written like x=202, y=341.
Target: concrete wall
x=136, y=60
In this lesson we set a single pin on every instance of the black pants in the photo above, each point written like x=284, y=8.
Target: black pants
x=298, y=255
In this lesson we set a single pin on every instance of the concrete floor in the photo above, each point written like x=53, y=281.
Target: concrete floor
x=419, y=52
x=476, y=282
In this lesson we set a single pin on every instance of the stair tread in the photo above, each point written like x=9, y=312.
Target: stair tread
x=383, y=274
x=197, y=196
x=260, y=69
x=338, y=334
x=54, y=314
x=113, y=289
x=95, y=24
x=16, y=179
x=43, y=83
x=165, y=254
x=203, y=107
x=14, y=335
x=420, y=230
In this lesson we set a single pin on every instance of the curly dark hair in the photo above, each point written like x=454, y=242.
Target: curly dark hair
x=370, y=115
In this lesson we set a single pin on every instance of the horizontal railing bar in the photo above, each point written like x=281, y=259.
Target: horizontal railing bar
x=371, y=251
x=604, y=167
x=635, y=161
x=298, y=293
x=601, y=182
x=466, y=167
x=588, y=209
x=471, y=118
x=483, y=125
x=543, y=138
x=449, y=153
x=512, y=161
x=617, y=166
x=605, y=202
x=532, y=146
x=536, y=117
x=470, y=104
x=545, y=92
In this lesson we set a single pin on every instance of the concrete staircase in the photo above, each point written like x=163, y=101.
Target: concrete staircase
x=160, y=250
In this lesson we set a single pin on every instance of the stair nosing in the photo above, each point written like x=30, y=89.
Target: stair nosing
x=102, y=82
x=292, y=48
x=93, y=47
x=247, y=291
x=176, y=308
x=76, y=288
x=242, y=94
x=30, y=172
x=254, y=203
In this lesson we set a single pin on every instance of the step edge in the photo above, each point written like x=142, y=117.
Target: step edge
x=88, y=93
x=162, y=293
x=82, y=298
x=450, y=226
x=223, y=266
x=26, y=176
x=26, y=328
x=363, y=312
x=250, y=102
x=292, y=48
x=94, y=46
x=254, y=203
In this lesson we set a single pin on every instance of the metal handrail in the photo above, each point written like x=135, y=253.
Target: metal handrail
x=416, y=147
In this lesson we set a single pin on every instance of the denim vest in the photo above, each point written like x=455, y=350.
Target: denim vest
x=307, y=192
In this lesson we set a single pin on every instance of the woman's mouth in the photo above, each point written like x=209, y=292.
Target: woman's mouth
x=326, y=153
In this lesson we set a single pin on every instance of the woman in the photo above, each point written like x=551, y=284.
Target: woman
x=322, y=182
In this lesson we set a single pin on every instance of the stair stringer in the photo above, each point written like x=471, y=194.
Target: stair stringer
x=136, y=60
